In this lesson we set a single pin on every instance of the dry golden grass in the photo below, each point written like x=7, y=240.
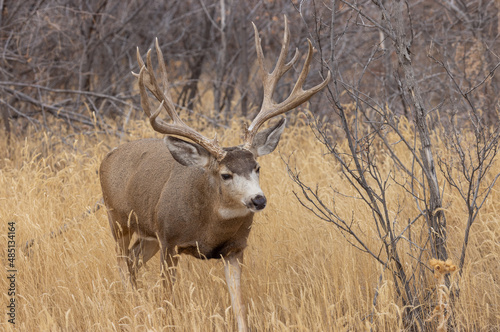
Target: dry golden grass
x=300, y=274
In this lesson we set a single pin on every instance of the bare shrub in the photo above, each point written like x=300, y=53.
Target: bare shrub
x=395, y=102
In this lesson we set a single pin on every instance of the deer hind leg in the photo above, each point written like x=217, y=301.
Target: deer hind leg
x=169, y=262
x=123, y=237
x=142, y=249
x=125, y=263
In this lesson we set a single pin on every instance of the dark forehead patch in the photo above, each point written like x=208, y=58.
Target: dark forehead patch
x=239, y=161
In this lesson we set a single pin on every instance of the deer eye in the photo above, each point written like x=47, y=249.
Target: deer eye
x=257, y=169
x=226, y=176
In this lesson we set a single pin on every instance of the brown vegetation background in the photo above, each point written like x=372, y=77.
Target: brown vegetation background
x=299, y=273
x=410, y=80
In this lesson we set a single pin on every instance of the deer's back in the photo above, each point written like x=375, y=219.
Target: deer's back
x=134, y=175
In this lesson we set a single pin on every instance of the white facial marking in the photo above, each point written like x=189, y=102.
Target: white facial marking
x=248, y=187
x=242, y=189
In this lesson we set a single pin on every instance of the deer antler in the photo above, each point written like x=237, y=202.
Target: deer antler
x=177, y=127
x=298, y=95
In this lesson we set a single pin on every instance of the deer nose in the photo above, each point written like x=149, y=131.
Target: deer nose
x=259, y=202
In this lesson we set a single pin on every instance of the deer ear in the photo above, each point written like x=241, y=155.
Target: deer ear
x=187, y=153
x=267, y=140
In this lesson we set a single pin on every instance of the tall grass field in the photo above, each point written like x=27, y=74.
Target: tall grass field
x=299, y=274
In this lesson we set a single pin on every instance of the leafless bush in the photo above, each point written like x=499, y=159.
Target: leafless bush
x=405, y=77
x=58, y=59
x=72, y=59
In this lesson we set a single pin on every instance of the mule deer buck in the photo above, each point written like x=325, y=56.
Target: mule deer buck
x=193, y=197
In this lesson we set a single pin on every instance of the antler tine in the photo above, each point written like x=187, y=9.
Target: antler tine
x=157, y=125
x=298, y=95
x=163, y=68
x=271, y=79
x=177, y=127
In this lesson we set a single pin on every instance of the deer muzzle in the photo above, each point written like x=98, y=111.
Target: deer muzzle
x=258, y=202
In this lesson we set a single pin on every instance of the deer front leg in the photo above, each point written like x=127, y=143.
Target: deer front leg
x=232, y=269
